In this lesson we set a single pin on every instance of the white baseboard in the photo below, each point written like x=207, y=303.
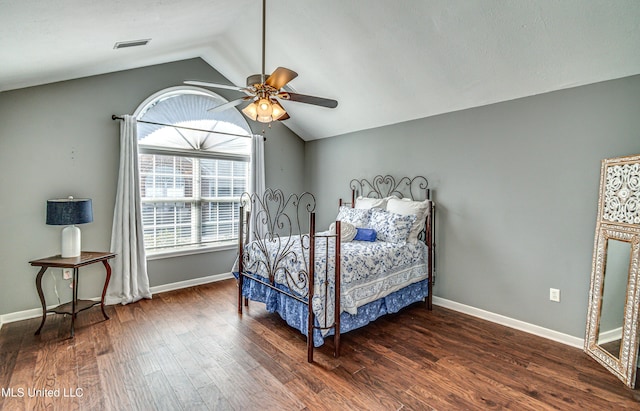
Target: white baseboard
x=510, y=322
x=37, y=312
x=190, y=283
x=442, y=302
x=611, y=335
x=32, y=313
x=179, y=285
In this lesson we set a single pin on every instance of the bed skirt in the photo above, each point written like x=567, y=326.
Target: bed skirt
x=295, y=313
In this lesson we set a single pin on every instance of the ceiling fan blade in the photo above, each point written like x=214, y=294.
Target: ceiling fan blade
x=285, y=116
x=280, y=77
x=226, y=106
x=302, y=98
x=254, y=80
x=214, y=85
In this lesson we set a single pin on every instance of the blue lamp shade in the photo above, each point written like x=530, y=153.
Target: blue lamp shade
x=70, y=211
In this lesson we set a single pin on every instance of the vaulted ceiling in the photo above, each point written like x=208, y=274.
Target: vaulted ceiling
x=384, y=61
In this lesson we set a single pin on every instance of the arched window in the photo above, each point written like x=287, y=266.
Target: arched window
x=194, y=165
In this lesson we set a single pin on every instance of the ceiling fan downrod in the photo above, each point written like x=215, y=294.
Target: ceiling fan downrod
x=264, y=31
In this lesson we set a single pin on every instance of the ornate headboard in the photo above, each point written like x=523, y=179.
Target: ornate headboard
x=380, y=186
x=415, y=188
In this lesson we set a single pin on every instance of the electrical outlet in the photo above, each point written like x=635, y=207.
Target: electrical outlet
x=554, y=294
x=67, y=273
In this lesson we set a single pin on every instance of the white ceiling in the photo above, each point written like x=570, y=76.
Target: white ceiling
x=384, y=61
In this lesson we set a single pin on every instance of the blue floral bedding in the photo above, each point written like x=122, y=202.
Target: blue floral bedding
x=376, y=278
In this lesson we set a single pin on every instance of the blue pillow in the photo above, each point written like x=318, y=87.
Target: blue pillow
x=365, y=234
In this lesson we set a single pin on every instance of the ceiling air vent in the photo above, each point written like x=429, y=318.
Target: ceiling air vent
x=131, y=43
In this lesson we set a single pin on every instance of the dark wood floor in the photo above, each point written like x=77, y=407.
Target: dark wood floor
x=189, y=350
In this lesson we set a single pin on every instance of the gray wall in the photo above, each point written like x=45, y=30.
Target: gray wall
x=58, y=140
x=516, y=186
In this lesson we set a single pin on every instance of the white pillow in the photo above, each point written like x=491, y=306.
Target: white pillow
x=347, y=231
x=406, y=206
x=367, y=203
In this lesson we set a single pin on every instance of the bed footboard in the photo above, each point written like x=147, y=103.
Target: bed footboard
x=278, y=247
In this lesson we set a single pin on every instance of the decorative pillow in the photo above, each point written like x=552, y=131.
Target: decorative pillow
x=365, y=234
x=406, y=206
x=347, y=231
x=357, y=216
x=367, y=203
x=391, y=227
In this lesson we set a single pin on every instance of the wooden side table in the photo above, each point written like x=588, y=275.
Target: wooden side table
x=74, y=306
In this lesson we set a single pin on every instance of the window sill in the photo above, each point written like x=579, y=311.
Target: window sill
x=159, y=255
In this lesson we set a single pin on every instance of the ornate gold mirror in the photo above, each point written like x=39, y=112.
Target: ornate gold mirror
x=614, y=296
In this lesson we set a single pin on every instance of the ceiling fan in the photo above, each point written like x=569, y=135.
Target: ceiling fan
x=264, y=91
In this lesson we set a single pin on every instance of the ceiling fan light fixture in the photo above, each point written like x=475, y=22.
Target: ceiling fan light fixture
x=265, y=108
x=278, y=111
x=251, y=111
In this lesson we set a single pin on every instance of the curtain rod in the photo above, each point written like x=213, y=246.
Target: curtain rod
x=114, y=117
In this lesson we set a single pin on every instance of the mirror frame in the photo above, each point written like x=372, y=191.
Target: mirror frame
x=625, y=366
x=623, y=227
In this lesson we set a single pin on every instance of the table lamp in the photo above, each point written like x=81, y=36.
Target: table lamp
x=69, y=211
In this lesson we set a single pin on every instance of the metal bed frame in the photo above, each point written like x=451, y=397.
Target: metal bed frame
x=274, y=222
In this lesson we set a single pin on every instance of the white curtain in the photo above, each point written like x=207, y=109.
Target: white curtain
x=129, y=279
x=257, y=178
x=257, y=166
